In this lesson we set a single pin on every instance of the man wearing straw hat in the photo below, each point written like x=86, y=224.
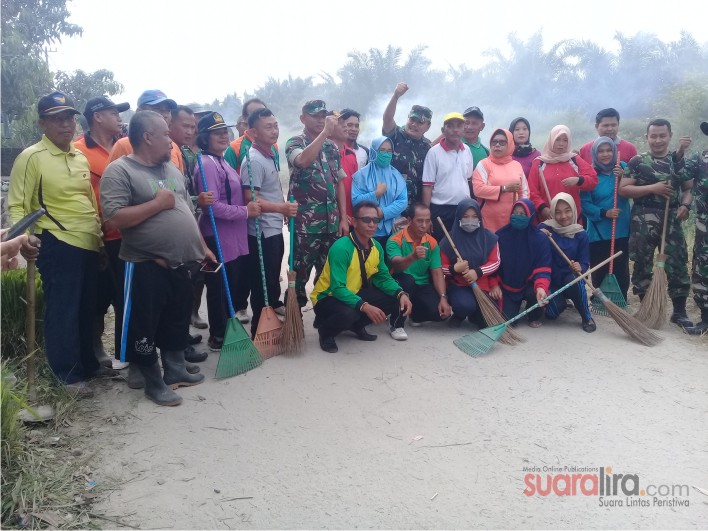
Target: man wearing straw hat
x=144, y=196
x=656, y=177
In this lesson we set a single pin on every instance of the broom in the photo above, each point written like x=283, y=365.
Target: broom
x=270, y=329
x=490, y=310
x=481, y=342
x=293, y=341
x=609, y=285
x=652, y=309
x=630, y=325
x=238, y=353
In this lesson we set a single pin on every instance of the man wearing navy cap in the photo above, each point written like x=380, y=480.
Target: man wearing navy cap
x=105, y=127
x=54, y=175
x=474, y=125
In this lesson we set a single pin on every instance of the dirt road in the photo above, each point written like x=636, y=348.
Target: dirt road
x=417, y=434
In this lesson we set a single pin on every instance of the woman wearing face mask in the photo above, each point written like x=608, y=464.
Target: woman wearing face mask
x=525, y=271
x=382, y=184
x=480, y=259
x=599, y=211
x=558, y=169
x=524, y=152
x=499, y=180
x=573, y=241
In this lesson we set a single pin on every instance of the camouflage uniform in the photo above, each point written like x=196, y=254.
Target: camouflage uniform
x=408, y=158
x=647, y=224
x=189, y=158
x=317, y=219
x=697, y=169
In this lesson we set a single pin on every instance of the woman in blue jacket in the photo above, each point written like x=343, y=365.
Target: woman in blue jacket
x=599, y=211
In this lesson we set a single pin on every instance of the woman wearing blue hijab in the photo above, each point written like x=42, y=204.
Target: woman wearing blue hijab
x=382, y=184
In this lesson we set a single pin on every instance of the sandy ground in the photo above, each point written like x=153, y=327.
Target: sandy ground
x=413, y=434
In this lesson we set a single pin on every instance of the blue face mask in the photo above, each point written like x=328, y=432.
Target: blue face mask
x=383, y=158
x=520, y=222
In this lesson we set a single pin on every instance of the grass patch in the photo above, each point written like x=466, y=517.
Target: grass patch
x=13, y=308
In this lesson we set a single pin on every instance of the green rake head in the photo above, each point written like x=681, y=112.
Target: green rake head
x=238, y=353
x=611, y=290
x=479, y=343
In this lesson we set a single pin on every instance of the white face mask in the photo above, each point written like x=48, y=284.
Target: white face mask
x=469, y=224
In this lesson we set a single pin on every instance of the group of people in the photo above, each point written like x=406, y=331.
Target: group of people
x=401, y=231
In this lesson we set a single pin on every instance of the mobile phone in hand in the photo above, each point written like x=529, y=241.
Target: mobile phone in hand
x=210, y=267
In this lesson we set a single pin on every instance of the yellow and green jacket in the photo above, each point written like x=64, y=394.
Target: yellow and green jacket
x=342, y=278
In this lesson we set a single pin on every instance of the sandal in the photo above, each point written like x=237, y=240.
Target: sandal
x=535, y=324
x=589, y=326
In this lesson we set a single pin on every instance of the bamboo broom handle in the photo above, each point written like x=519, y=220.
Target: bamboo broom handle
x=449, y=238
x=568, y=260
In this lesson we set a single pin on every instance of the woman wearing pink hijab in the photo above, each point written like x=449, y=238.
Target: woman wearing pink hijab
x=558, y=169
x=498, y=181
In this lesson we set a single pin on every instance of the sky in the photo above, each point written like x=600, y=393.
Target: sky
x=218, y=47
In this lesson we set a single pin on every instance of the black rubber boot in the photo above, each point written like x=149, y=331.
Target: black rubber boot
x=155, y=388
x=135, y=377
x=701, y=327
x=98, y=350
x=176, y=374
x=192, y=356
x=191, y=368
x=679, y=315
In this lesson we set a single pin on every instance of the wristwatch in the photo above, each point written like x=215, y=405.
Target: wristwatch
x=443, y=295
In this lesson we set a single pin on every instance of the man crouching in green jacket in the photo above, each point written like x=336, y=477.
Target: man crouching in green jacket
x=355, y=287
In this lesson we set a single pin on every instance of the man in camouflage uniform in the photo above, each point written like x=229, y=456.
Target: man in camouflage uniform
x=316, y=183
x=653, y=178
x=410, y=146
x=697, y=168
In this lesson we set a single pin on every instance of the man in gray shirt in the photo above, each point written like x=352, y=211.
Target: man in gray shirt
x=143, y=195
x=261, y=166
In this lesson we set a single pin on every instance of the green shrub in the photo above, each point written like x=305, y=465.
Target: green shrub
x=13, y=308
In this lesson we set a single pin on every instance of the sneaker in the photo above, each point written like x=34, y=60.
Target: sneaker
x=242, y=315
x=215, y=343
x=280, y=310
x=399, y=334
x=79, y=390
x=118, y=365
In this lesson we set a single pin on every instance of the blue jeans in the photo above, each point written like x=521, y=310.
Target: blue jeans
x=69, y=277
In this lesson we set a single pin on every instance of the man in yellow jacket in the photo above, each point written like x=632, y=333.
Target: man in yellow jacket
x=355, y=287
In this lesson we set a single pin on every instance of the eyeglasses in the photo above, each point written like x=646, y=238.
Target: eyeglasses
x=368, y=220
x=499, y=142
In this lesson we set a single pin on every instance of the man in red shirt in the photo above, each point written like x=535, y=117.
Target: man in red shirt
x=347, y=156
x=104, y=129
x=607, y=124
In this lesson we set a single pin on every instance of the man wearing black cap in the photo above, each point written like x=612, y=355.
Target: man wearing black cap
x=54, y=175
x=316, y=183
x=474, y=124
x=410, y=146
x=697, y=168
x=105, y=126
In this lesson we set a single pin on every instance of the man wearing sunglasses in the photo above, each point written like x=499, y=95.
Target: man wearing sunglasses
x=355, y=287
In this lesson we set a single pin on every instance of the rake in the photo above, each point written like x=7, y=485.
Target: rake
x=632, y=326
x=238, y=353
x=490, y=310
x=478, y=343
x=609, y=286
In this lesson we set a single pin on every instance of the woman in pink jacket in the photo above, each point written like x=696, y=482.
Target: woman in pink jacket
x=498, y=181
x=558, y=169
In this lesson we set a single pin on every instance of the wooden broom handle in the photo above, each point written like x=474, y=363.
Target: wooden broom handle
x=545, y=187
x=449, y=238
x=565, y=257
x=663, y=230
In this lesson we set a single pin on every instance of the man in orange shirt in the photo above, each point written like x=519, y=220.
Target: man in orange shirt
x=151, y=100
x=104, y=129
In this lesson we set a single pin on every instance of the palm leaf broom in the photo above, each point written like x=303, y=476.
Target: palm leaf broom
x=293, y=341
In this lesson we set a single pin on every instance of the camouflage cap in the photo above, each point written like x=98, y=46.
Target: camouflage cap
x=421, y=113
x=313, y=107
